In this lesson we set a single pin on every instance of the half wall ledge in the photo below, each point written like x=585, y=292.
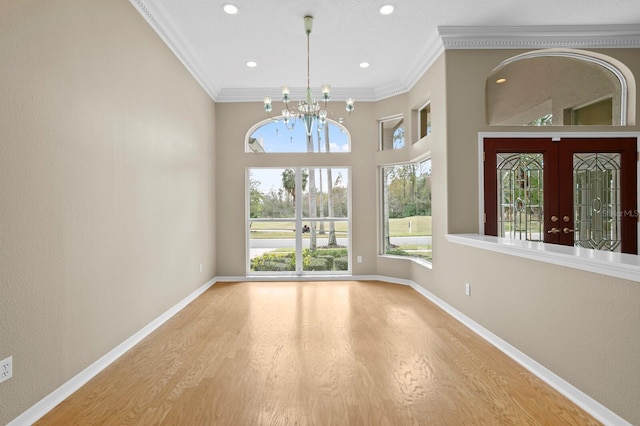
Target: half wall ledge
x=618, y=265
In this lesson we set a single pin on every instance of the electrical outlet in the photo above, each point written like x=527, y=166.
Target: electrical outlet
x=467, y=289
x=6, y=369
x=201, y=267
x=359, y=259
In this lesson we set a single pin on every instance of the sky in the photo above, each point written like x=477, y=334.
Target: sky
x=277, y=138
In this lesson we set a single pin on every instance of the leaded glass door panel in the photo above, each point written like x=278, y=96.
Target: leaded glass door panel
x=520, y=196
x=601, y=203
x=580, y=192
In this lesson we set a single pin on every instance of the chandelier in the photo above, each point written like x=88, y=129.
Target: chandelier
x=309, y=110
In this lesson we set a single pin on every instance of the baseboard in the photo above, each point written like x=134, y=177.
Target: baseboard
x=46, y=404
x=582, y=400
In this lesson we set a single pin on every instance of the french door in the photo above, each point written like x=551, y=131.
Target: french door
x=573, y=191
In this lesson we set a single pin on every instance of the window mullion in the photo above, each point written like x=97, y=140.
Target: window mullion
x=299, y=196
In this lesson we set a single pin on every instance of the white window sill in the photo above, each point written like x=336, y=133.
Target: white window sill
x=419, y=261
x=619, y=265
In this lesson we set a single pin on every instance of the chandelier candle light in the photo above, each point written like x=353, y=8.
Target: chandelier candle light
x=309, y=110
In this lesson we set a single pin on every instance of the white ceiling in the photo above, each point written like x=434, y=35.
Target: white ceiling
x=215, y=46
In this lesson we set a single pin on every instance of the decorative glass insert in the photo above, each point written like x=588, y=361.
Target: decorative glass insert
x=597, y=210
x=520, y=196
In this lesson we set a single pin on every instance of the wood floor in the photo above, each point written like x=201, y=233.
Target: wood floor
x=314, y=353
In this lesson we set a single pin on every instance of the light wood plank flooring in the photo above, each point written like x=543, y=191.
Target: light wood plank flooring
x=315, y=353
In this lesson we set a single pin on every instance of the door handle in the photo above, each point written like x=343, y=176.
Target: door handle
x=567, y=230
x=554, y=231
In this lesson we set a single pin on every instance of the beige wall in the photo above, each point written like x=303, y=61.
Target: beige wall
x=106, y=187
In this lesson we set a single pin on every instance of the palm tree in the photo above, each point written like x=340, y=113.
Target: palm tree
x=289, y=182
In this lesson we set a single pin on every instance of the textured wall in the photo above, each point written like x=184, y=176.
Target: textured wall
x=106, y=187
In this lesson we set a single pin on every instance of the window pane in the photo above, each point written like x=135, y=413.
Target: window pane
x=425, y=121
x=272, y=193
x=274, y=137
x=407, y=210
x=392, y=134
x=331, y=251
x=325, y=193
x=272, y=246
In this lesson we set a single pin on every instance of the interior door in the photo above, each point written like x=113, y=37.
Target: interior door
x=573, y=191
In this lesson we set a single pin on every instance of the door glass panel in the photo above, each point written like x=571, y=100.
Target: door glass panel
x=520, y=196
x=596, y=182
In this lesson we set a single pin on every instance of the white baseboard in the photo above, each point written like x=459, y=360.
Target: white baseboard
x=582, y=400
x=46, y=404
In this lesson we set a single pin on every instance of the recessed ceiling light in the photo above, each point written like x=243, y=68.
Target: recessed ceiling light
x=231, y=9
x=501, y=80
x=252, y=64
x=364, y=65
x=387, y=9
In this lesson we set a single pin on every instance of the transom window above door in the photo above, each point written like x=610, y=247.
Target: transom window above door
x=573, y=191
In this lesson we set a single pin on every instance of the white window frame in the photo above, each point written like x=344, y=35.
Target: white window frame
x=382, y=183
x=298, y=220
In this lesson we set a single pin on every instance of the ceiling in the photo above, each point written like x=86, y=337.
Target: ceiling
x=215, y=46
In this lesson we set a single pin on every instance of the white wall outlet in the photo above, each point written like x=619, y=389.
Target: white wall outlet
x=6, y=369
x=201, y=267
x=359, y=259
x=467, y=289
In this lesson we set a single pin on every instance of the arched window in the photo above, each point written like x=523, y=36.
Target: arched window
x=274, y=137
x=560, y=88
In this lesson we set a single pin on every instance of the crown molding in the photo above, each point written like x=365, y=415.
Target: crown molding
x=158, y=18
x=536, y=37
x=257, y=94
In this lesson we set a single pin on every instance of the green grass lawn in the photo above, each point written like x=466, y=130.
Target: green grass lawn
x=262, y=230
x=420, y=225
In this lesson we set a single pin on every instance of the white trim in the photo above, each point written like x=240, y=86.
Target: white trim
x=46, y=404
x=617, y=265
x=582, y=400
x=543, y=36
x=158, y=18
